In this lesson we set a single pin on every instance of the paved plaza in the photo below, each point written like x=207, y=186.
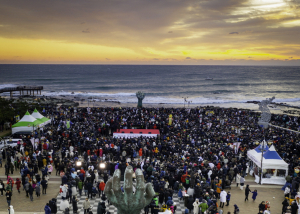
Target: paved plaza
x=22, y=204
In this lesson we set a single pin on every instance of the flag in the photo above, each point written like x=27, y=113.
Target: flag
x=68, y=124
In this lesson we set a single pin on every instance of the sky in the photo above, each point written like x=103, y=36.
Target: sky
x=183, y=32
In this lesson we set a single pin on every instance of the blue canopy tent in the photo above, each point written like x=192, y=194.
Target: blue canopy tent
x=274, y=168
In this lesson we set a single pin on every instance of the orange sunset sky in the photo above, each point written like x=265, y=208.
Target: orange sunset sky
x=237, y=32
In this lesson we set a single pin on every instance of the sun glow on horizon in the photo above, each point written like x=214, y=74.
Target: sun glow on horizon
x=150, y=32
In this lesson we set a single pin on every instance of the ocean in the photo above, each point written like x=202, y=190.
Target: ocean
x=162, y=84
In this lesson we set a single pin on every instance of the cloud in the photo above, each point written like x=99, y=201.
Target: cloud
x=155, y=59
x=107, y=58
x=201, y=26
x=86, y=31
x=188, y=58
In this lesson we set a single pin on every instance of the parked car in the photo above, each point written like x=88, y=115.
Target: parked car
x=7, y=142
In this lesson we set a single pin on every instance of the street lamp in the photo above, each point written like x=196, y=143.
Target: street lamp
x=264, y=123
x=262, y=149
x=184, y=100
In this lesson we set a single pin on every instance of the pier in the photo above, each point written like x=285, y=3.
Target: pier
x=23, y=89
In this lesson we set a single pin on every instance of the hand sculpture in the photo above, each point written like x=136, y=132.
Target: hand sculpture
x=129, y=202
x=140, y=95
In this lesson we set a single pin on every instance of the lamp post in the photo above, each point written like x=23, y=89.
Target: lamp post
x=264, y=123
x=262, y=149
x=184, y=101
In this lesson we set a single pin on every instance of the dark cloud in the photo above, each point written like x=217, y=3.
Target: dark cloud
x=107, y=58
x=133, y=24
x=188, y=58
x=86, y=31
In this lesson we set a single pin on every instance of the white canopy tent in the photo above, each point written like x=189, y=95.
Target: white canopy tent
x=27, y=124
x=274, y=168
x=40, y=117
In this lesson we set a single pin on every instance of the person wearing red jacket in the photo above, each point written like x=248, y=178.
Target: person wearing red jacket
x=18, y=183
x=141, y=153
x=101, y=188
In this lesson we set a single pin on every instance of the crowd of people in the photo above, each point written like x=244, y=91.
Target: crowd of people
x=194, y=156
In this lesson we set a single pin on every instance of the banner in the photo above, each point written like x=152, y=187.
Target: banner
x=170, y=119
x=236, y=146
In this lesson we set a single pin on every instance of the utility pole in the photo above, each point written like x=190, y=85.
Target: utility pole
x=264, y=123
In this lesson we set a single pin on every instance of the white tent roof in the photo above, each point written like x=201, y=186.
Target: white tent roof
x=40, y=117
x=37, y=115
x=27, y=118
x=271, y=159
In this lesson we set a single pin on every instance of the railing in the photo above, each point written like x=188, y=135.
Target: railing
x=20, y=88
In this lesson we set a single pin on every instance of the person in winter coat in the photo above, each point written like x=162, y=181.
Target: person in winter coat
x=228, y=198
x=38, y=190
x=141, y=153
x=190, y=203
x=101, y=209
x=30, y=191
x=223, y=196
x=242, y=181
x=2, y=187
x=18, y=183
x=47, y=209
x=80, y=186
x=247, y=191
x=101, y=188
x=261, y=206
x=86, y=205
x=11, y=209
x=236, y=209
x=196, y=206
x=169, y=202
x=203, y=206
x=53, y=206
x=254, y=195
x=285, y=204
x=238, y=178
x=294, y=207
x=74, y=204
x=44, y=184
x=267, y=211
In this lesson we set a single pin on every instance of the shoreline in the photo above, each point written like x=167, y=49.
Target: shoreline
x=280, y=108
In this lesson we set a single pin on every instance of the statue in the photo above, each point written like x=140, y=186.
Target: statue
x=265, y=112
x=140, y=95
x=129, y=202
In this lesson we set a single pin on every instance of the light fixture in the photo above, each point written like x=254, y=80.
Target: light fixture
x=78, y=163
x=102, y=165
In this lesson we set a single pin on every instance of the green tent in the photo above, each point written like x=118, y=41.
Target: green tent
x=26, y=124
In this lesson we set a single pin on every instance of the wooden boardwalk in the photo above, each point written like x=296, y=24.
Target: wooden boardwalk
x=22, y=89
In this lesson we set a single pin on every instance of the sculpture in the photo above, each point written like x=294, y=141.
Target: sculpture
x=129, y=202
x=140, y=95
x=265, y=112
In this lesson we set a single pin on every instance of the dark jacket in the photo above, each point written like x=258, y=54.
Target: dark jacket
x=47, y=209
x=101, y=208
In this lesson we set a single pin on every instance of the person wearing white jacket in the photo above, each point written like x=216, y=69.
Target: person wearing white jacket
x=223, y=195
x=242, y=181
x=11, y=209
x=238, y=178
x=196, y=206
